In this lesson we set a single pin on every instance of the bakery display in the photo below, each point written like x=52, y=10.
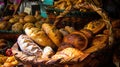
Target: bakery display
x=60, y=40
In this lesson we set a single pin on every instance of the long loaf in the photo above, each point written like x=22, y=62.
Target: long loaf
x=28, y=46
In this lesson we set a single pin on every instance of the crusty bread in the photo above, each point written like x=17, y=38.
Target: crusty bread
x=77, y=39
x=28, y=46
x=53, y=33
x=39, y=36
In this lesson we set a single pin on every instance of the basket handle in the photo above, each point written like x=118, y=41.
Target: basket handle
x=103, y=15
x=87, y=5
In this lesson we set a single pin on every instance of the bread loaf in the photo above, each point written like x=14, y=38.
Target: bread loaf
x=53, y=33
x=39, y=37
x=28, y=46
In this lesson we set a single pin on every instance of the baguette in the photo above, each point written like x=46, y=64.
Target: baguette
x=53, y=33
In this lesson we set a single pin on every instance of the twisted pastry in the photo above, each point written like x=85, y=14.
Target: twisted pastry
x=67, y=55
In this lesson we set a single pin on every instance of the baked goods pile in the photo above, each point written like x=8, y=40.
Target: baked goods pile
x=47, y=44
x=18, y=22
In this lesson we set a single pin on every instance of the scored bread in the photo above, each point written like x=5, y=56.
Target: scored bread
x=54, y=34
x=28, y=46
x=39, y=36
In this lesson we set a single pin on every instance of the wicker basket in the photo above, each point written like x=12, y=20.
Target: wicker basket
x=102, y=57
x=100, y=11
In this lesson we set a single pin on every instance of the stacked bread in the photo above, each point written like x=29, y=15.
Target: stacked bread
x=50, y=45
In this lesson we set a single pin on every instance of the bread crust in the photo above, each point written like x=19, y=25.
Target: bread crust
x=54, y=34
x=39, y=37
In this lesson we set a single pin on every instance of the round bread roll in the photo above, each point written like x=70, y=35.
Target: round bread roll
x=4, y=25
x=17, y=27
x=21, y=20
x=13, y=20
x=39, y=37
x=54, y=34
x=77, y=39
x=29, y=18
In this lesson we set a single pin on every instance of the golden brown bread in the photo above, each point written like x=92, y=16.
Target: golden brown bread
x=9, y=62
x=29, y=25
x=4, y=25
x=17, y=27
x=77, y=39
x=53, y=33
x=29, y=18
x=39, y=37
x=95, y=26
x=21, y=20
x=13, y=20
